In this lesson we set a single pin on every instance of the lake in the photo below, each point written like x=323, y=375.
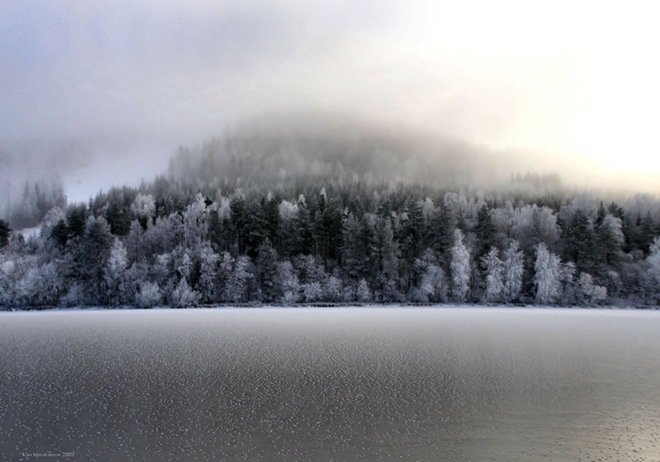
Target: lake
x=330, y=384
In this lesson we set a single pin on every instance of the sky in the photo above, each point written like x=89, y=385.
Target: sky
x=573, y=84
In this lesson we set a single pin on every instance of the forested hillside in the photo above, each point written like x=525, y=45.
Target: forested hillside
x=296, y=220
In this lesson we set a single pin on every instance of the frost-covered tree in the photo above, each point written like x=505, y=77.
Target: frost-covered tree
x=238, y=283
x=547, y=275
x=568, y=283
x=39, y=286
x=225, y=269
x=184, y=296
x=143, y=208
x=611, y=239
x=590, y=293
x=653, y=271
x=208, y=273
x=313, y=291
x=513, y=269
x=149, y=295
x=363, y=292
x=333, y=289
x=493, y=269
x=135, y=248
x=460, y=268
x=433, y=284
x=195, y=223
x=354, y=250
x=115, y=274
x=287, y=280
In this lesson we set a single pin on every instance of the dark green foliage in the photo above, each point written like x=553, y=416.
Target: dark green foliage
x=60, y=233
x=5, y=232
x=485, y=231
x=76, y=216
x=267, y=271
x=579, y=241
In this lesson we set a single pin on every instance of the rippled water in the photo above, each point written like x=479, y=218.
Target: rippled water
x=344, y=384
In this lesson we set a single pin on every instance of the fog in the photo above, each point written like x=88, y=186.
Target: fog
x=104, y=92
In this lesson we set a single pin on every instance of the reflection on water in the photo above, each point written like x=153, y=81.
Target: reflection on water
x=331, y=384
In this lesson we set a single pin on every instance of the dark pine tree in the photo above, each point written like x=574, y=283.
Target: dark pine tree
x=5, y=232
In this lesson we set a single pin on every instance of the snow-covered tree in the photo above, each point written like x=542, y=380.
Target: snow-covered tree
x=568, y=285
x=135, y=248
x=547, y=275
x=115, y=274
x=208, y=273
x=313, y=291
x=460, y=268
x=590, y=293
x=143, y=207
x=513, y=270
x=238, y=283
x=148, y=296
x=184, y=296
x=433, y=284
x=287, y=280
x=363, y=292
x=653, y=261
x=493, y=269
x=333, y=289
x=40, y=285
x=195, y=223
x=653, y=271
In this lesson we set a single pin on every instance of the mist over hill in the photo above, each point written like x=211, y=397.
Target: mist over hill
x=269, y=150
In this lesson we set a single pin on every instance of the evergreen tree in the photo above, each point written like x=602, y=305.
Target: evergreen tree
x=653, y=272
x=302, y=239
x=493, y=269
x=208, y=273
x=433, y=282
x=267, y=271
x=460, y=268
x=610, y=240
x=60, y=233
x=288, y=281
x=579, y=241
x=514, y=268
x=547, y=275
x=485, y=231
x=354, y=253
x=5, y=232
x=238, y=283
x=76, y=217
x=115, y=274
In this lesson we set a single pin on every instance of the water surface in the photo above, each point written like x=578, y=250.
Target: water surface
x=343, y=384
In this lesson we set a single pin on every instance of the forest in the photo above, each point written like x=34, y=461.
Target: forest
x=256, y=220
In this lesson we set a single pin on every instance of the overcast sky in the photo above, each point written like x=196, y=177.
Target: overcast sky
x=575, y=83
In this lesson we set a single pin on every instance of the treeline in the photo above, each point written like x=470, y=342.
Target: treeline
x=183, y=242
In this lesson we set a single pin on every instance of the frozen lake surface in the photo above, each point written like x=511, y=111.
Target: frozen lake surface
x=345, y=384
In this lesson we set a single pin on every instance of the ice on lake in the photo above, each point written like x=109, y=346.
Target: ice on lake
x=347, y=384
